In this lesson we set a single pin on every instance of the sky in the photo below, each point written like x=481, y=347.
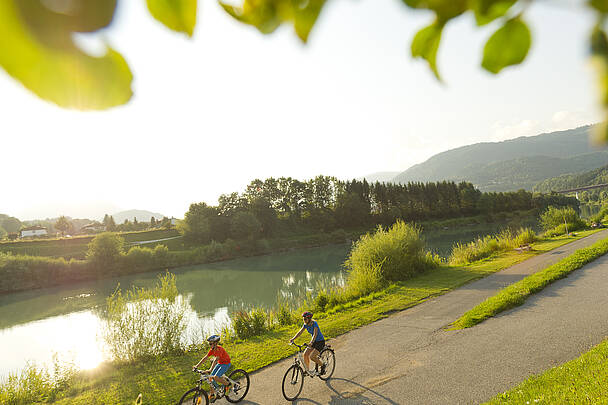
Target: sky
x=213, y=112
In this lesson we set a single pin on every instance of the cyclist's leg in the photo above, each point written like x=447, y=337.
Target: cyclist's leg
x=219, y=371
x=214, y=372
x=316, y=349
x=307, y=357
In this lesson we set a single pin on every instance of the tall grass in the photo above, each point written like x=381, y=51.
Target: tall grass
x=389, y=255
x=489, y=245
x=146, y=322
x=33, y=384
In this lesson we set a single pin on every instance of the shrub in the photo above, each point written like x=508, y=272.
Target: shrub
x=554, y=217
x=146, y=322
x=105, y=250
x=35, y=385
x=140, y=258
x=248, y=324
x=397, y=254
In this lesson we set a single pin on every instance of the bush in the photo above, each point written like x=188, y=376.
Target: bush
x=105, y=250
x=252, y=323
x=146, y=322
x=554, y=217
x=35, y=385
x=396, y=254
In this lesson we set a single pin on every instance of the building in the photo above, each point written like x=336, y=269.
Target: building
x=33, y=231
x=93, y=228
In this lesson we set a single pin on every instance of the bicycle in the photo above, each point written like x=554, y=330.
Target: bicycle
x=239, y=379
x=293, y=380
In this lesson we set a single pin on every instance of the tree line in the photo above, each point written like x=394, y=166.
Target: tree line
x=285, y=206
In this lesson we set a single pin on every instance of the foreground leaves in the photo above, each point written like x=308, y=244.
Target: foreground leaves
x=36, y=48
x=508, y=46
x=178, y=15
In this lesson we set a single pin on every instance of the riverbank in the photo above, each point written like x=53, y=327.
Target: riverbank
x=162, y=380
x=29, y=265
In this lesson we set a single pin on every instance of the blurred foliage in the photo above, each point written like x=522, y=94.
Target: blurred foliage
x=38, y=48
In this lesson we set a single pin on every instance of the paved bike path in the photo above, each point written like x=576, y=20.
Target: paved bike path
x=409, y=358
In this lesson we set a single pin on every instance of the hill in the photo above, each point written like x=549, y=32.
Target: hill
x=141, y=215
x=512, y=164
x=569, y=181
x=382, y=177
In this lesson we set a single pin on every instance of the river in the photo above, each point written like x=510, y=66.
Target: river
x=36, y=325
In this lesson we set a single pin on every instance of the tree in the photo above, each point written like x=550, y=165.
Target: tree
x=108, y=222
x=46, y=32
x=11, y=224
x=105, y=250
x=244, y=225
x=64, y=225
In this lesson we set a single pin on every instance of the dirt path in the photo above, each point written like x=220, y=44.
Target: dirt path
x=409, y=358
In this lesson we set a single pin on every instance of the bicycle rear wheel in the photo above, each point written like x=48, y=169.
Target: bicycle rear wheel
x=194, y=396
x=293, y=380
x=328, y=358
x=240, y=387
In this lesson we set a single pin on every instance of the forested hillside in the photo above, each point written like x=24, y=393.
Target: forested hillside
x=569, y=181
x=512, y=164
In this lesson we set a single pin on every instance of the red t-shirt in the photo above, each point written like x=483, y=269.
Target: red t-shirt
x=220, y=353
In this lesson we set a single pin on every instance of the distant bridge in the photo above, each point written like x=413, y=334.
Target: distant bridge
x=576, y=190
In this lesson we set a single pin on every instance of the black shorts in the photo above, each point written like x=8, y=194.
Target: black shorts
x=319, y=345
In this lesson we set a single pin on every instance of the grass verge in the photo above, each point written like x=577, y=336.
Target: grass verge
x=579, y=381
x=517, y=293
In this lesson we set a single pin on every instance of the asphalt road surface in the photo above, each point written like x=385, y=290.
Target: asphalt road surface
x=409, y=357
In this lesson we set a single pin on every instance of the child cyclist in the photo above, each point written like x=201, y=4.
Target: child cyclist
x=220, y=365
x=317, y=342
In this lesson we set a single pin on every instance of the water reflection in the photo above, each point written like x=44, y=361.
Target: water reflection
x=35, y=325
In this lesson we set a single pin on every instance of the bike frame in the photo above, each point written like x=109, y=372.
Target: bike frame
x=207, y=377
x=299, y=357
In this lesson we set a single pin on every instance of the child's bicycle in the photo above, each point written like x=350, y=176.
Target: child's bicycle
x=198, y=396
x=293, y=381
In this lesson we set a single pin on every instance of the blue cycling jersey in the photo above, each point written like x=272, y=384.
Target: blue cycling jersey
x=311, y=329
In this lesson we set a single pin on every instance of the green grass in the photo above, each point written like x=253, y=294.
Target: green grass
x=517, y=293
x=579, y=381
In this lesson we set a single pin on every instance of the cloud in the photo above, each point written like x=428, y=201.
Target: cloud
x=502, y=132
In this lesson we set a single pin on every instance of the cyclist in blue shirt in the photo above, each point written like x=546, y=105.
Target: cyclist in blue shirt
x=317, y=342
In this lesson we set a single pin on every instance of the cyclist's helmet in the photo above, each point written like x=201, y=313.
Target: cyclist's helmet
x=213, y=339
x=307, y=314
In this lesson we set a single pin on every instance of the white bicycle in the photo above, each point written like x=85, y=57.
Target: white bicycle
x=293, y=380
x=198, y=396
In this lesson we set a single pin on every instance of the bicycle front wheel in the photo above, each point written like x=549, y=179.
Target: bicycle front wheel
x=194, y=396
x=329, y=359
x=240, y=388
x=293, y=382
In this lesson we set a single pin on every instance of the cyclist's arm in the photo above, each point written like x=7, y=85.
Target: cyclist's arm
x=314, y=335
x=297, y=334
x=202, y=361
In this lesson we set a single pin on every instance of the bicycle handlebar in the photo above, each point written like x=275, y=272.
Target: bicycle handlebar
x=304, y=345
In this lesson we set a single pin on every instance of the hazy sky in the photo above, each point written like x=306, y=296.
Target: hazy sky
x=214, y=112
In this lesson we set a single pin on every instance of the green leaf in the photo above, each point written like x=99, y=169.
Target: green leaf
x=599, y=42
x=267, y=15
x=508, y=46
x=261, y=14
x=444, y=9
x=487, y=11
x=305, y=16
x=599, y=5
x=426, y=43
x=54, y=68
x=178, y=15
